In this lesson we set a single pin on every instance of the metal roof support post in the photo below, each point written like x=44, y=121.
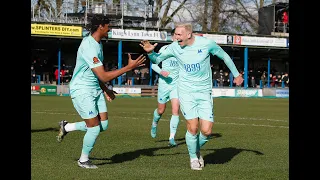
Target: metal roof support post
x=269, y=67
x=122, y=14
x=119, y=60
x=145, y=17
x=59, y=61
x=245, y=68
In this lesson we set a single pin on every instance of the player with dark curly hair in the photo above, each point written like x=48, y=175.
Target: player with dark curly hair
x=87, y=88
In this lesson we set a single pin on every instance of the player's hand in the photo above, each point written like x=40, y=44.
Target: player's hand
x=164, y=73
x=107, y=97
x=110, y=95
x=137, y=62
x=145, y=44
x=238, y=80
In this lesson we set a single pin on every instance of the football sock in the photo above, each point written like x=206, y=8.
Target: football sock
x=191, y=141
x=89, y=140
x=104, y=125
x=81, y=126
x=174, y=121
x=76, y=126
x=156, y=117
x=202, y=140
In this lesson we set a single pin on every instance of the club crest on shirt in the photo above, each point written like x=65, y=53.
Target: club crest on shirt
x=95, y=60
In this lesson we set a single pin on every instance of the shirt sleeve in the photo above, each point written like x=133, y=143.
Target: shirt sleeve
x=156, y=58
x=90, y=56
x=156, y=68
x=215, y=49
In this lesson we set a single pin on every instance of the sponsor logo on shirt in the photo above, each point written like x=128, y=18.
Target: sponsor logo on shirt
x=95, y=60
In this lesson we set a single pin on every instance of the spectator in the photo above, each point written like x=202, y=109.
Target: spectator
x=67, y=76
x=37, y=66
x=278, y=80
x=129, y=75
x=124, y=78
x=136, y=77
x=83, y=4
x=46, y=72
x=264, y=78
x=62, y=73
x=144, y=76
x=155, y=82
x=252, y=79
x=33, y=75
x=285, y=21
x=258, y=77
x=215, y=77
x=273, y=80
x=285, y=79
x=226, y=80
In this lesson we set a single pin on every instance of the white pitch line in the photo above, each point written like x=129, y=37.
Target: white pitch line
x=256, y=119
x=262, y=125
x=125, y=117
x=225, y=117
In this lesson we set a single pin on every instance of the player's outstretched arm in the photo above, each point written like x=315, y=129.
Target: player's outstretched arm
x=158, y=70
x=215, y=49
x=110, y=75
x=156, y=58
x=147, y=46
x=230, y=64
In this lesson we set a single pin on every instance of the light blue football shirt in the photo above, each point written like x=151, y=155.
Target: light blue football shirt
x=170, y=65
x=194, y=63
x=89, y=55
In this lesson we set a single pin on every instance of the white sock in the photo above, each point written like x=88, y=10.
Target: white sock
x=172, y=136
x=84, y=157
x=70, y=127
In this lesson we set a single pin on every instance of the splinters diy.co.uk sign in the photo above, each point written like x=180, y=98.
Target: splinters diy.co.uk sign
x=56, y=30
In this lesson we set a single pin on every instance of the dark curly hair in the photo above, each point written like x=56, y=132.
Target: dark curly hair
x=96, y=20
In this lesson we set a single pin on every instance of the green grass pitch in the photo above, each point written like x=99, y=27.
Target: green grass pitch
x=250, y=141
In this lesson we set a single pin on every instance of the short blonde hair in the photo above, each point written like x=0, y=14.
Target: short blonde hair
x=187, y=26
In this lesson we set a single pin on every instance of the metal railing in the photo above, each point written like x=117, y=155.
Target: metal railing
x=124, y=14
x=281, y=27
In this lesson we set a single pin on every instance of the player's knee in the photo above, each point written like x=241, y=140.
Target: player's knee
x=193, y=130
x=161, y=110
x=104, y=125
x=206, y=132
x=175, y=111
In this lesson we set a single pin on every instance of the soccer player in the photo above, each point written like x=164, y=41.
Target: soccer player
x=167, y=90
x=194, y=84
x=88, y=90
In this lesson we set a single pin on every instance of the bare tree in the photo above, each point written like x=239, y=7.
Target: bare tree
x=205, y=16
x=166, y=19
x=59, y=7
x=42, y=4
x=75, y=6
x=158, y=8
x=215, y=15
